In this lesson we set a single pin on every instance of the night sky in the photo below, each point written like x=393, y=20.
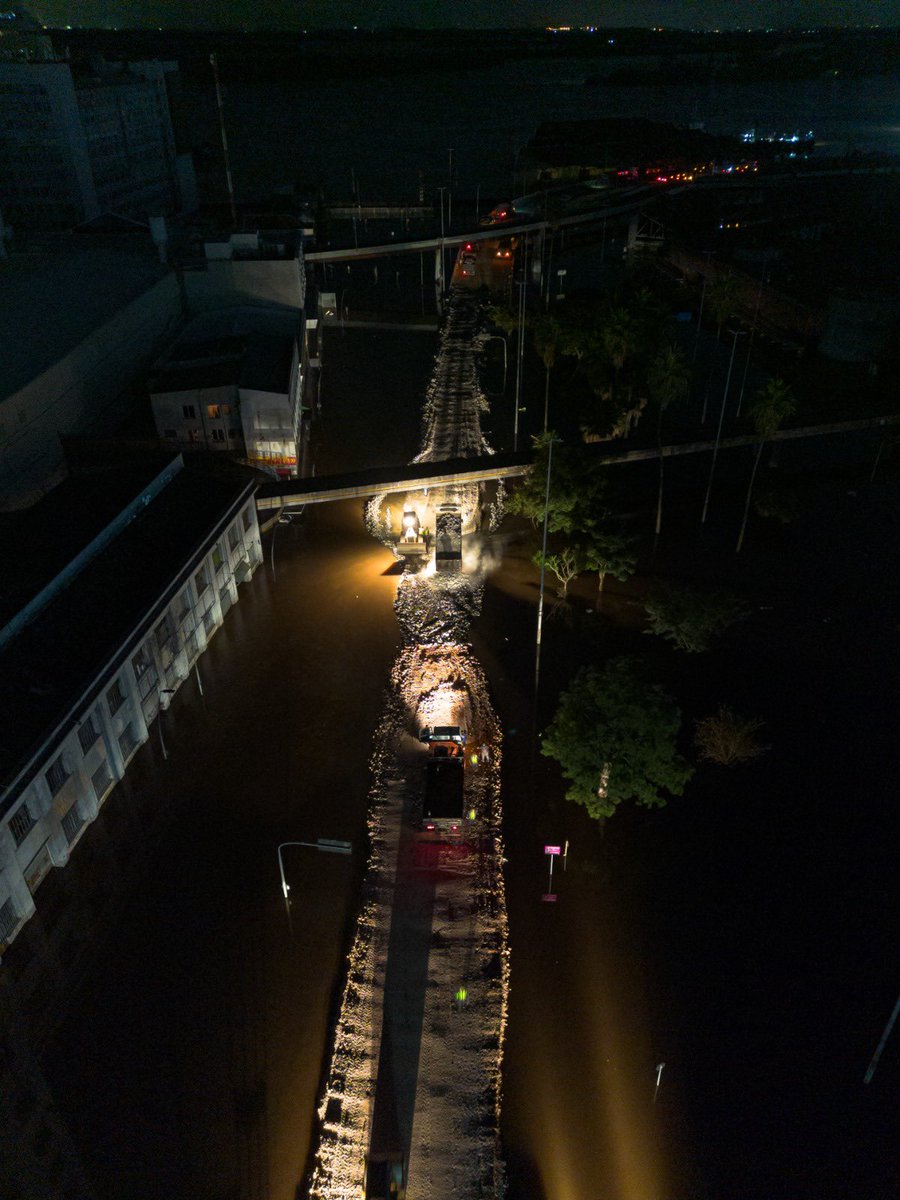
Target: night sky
x=296, y=14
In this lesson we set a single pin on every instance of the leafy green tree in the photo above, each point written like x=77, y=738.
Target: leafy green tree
x=547, y=335
x=773, y=404
x=614, y=735
x=668, y=379
x=726, y=738
x=504, y=318
x=608, y=553
x=577, y=490
x=692, y=618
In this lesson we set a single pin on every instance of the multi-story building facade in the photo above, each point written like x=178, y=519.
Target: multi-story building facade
x=234, y=382
x=76, y=142
x=93, y=646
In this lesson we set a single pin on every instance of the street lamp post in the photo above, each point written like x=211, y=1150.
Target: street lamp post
x=519, y=361
x=540, y=612
x=329, y=845
x=736, y=333
x=442, y=190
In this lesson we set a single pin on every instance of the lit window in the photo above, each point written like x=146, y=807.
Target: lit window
x=212, y=411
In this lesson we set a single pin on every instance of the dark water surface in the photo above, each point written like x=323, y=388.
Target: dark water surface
x=381, y=133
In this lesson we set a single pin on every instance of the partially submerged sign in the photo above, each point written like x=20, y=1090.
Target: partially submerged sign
x=448, y=539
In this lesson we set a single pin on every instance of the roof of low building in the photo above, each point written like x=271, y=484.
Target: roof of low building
x=49, y=671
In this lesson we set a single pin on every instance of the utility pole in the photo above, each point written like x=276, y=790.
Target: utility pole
x=736, y=333
x=213, y=58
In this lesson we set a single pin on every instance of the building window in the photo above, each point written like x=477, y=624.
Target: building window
x=101, y=779
x=71, y=823
x=193, y=435
x=218, y=435
x=88, y=734
x=201, y=581
x=164, y=632
x=115, y=697
x=234, y=538
x=9, y=919
x=187, y=605
x=127, y=740
x=56, y=776
x=189, y=412
x=212, y=411
x=225, y=600
x=142, y=662
x=217, y=556
x=21, y=824
x=246, y=519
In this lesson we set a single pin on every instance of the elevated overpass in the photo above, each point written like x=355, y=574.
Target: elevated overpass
x=360, y=485
x=629, y=202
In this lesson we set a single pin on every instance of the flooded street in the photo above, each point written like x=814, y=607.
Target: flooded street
x=190, y=1061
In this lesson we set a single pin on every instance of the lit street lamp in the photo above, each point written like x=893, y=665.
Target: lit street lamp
x=659, y=1071
x=329, y=845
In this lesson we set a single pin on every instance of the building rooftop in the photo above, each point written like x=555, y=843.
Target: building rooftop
x=47, y=671
x=58, y=290
x=186, y=377
x=37, y=543
x=251, y=347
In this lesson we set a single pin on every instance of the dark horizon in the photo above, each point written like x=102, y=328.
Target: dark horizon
x=437, y=15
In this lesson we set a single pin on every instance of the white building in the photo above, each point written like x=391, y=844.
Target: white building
x=234, y=382
x=119, y=582
x=76, y=142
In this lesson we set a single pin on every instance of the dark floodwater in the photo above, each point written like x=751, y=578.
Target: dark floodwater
x=381, y=133
x=746, y=935
x=189, y=1064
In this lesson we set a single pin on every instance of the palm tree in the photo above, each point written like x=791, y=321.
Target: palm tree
x=774, y=403
x=668, y=379
x=723, y=300
x=547, y=332
x=619, y=339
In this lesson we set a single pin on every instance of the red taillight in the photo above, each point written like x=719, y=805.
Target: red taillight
x=430, y=828
x=454, y=829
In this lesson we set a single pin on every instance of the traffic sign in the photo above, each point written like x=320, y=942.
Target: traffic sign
x=549, y=898
x=553, y=849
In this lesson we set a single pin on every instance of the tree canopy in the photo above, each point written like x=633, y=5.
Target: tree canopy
x=614, y=735
x=577, y=489
x=689, y=617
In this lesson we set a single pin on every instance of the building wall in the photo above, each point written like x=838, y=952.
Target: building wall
x=276, y=281
x=77, y=394
x=45, y=172
x=269, y=422
x=48, y=815
x=206, y=418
